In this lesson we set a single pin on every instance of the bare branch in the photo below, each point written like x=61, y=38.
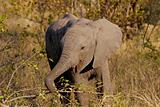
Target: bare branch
x=9, y=83
x=22, y=90
x=21, y=97
x=3, y=105
x=9, y=42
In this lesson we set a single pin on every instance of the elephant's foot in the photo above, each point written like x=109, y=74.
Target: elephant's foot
x=83, y=99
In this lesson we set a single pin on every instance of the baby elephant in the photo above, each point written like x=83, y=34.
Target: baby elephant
x=78, y=47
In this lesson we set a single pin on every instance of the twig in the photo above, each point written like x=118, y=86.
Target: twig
x=3, y=81
x=103, y=100
x=6, y=100
x=82, y=92
x=144, y=35
x=112, y=14
x=151, y=31
x=47, y=92
x=21, y=97
x=9, y=42
x=3, y=105
x=17, y=69
x=142, y=98
x=73, y=5
x=6, y=63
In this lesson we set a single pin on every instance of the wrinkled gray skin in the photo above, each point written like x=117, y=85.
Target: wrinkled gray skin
x=76, y=43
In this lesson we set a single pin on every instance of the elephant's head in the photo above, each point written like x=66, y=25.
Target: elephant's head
x=84, y=41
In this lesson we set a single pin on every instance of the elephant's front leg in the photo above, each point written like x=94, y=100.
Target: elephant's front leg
x=82, y=97
x=103, y=71
x=107, y=85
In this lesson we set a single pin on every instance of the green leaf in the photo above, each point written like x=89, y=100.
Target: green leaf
x=2, y=18
x=1, y=97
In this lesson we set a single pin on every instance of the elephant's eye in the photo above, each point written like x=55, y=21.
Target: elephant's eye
x=82, y=47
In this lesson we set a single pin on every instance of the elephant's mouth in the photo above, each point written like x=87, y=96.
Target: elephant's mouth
x=88, y=67
x=89, y=71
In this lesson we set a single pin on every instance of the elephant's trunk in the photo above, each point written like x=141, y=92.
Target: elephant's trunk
x=67, y=60
x=63, y=65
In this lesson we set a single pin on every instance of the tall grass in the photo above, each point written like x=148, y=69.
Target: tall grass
x=135, y=68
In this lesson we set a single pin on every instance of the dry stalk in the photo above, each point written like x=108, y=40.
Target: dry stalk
x=9, y=83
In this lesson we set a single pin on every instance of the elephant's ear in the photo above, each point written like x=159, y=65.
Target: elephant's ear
x=108, y=39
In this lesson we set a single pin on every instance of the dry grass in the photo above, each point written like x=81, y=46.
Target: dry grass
x=135, y=68
x=135, y=72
